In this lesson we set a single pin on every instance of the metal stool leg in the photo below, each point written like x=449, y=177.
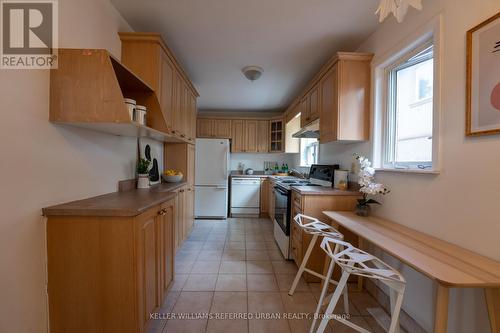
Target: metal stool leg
x=322, y=296
x=333, y=302
x=396, y=296
x=303, y=265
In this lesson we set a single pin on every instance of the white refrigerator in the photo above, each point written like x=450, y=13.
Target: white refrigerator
x=211, y=178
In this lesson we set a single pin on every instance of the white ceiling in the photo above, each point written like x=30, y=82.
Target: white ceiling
x=215, y=39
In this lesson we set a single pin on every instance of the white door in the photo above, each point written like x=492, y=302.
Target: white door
x=210, y=201
x=212, y=159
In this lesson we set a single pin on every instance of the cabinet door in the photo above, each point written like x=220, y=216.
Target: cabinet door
x=222, y=128
x=166, y=221
x=277, y=136
x=205, y=128
x=305, y=108
x=328, y=125
x=251, y=136
x=238, y=136
x=263, y=136
x=176, y=109
x=167, y=90
x=190, y=126
x=264, y=195
x=181, y=214
x=314, y=97
x=148, y=262
x=271, y=200
x=189, y=219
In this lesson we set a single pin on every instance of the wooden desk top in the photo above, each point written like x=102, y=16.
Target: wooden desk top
x=449, y=264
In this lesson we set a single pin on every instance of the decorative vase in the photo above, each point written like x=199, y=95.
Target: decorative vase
x=143, y=181
x=363, y=210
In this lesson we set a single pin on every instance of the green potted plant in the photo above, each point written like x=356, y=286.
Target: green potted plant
x=143, y=173
x=366, y=177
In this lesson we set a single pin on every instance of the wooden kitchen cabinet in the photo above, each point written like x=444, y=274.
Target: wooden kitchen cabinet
x=314, y=205
x=272, y=183
x=205, y=128
x=189, y=211
x=213, y=128
x=263, y=136
x=148, y=265
x=222, y=128
x=251, y=127
x=277, y=136
x=116, y=269
x=150, y=58
x=309, y=107
x=264, y=196
x=304, y=110
x=238, y=136
x=345, y=99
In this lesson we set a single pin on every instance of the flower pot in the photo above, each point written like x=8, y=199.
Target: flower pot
x=362, y=210
x=143, y=181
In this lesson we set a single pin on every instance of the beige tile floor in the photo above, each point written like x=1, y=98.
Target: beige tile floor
x=235, y=267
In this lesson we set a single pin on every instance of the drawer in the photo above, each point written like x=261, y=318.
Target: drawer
x=296, y=199
x=296, y=232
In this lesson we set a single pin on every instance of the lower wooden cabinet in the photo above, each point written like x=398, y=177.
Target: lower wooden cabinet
x=271, y=199
x=264, y=196
x=107, y=274
x=314, y=205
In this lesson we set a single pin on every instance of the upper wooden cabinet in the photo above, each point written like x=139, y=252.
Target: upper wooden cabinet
x=339, y=95
x=345, y=99
x=277, y=135
x=251, y=127
x=263, y=136
x=238, y=136
x=213, y=128
x=148, y=56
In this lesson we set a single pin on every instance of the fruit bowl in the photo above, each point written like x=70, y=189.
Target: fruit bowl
x=172, y=178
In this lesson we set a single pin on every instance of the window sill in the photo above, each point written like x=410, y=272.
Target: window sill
x=421, y=171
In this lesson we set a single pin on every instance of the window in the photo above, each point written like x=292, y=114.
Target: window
x=409, y=110
x=309, y=151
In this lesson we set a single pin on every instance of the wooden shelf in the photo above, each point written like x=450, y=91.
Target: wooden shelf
x=88, y=88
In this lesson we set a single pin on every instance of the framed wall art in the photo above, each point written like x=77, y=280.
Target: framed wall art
x=483, y=78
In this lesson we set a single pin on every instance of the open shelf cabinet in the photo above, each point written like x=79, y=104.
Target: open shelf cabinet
x=88, y=89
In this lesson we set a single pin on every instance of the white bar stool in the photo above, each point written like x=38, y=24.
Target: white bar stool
x=357, y=262
x=317, y=228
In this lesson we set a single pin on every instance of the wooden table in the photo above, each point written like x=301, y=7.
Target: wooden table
x=451, y=266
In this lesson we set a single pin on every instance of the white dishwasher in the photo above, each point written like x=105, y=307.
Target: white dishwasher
x=245, y=197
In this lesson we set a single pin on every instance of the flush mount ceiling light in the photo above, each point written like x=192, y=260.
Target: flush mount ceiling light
x=252, y=72
x=397, y=7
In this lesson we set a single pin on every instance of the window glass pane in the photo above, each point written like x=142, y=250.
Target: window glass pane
x=308, y=151
x=413, y=110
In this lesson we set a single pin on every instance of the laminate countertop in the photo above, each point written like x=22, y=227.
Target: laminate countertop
x=323, y=190
x=126, y=203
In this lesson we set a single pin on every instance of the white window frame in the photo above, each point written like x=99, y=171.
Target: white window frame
x=301, y=152
x=428, y=34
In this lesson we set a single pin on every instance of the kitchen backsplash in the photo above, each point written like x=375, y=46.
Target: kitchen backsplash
x=256, y=161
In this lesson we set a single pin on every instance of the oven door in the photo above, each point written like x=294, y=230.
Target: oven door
x=282, y=209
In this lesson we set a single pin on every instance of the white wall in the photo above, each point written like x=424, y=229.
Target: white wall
x=256, y=161
x=459, y=204
x=44, y=164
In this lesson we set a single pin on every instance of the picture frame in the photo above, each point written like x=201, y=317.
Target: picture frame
x=483, y=78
